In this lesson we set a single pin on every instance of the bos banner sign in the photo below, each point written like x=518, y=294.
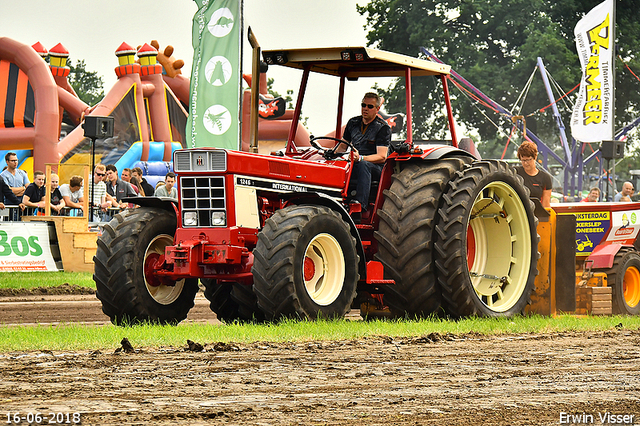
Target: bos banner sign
x=25, y=247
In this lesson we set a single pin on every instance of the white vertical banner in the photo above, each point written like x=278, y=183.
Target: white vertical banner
x=593, y=115
x=24, y=246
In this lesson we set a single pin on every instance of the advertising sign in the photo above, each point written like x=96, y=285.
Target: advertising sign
x=591, y=227
x=25, y=247
x=624, y=226
x=592, y=116
x=214, y=111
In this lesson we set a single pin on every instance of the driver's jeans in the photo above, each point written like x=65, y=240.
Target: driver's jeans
x=363, y=172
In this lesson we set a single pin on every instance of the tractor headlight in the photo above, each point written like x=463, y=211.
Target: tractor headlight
x=218, y=218
x=190, y=219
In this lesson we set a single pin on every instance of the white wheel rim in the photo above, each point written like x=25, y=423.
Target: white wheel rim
x=323, y=269
x=162, y=293
x=502, y=247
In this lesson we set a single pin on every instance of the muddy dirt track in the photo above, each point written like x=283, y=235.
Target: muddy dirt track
x=436, y=379
x=77, y=308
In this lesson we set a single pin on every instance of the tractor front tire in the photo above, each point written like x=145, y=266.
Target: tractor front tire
x=232, y=302
x=305, y=264
x=486, y=242
x=405, y=235
x=127, y=250
x=624, y=280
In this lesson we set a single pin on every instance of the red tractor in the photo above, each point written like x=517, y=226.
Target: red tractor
x=274, y=236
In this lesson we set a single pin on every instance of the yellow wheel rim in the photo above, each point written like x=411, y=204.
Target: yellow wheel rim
x=160, y=292
x=499, y=247
x=324, y=269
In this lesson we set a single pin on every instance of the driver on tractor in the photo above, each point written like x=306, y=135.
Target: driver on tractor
x=370, y=135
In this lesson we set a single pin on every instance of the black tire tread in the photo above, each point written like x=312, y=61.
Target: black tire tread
x=458, y=297
x=118, y=270
x=619, y=307
x=273, y=267
x=232, y=301
x=405, y=236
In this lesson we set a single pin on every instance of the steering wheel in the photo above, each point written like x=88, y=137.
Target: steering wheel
x=330, y=153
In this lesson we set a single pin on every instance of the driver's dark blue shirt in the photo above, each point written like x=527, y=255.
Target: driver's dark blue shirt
x=366, y=138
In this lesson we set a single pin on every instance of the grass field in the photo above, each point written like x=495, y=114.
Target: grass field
x=45, y=279
x=78, y=337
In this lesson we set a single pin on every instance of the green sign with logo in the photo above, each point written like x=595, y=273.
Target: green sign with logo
x=214, y=105
x=24, y=246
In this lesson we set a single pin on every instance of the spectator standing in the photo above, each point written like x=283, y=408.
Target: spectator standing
x=537, y=180
x=146, y=186
x=56, y=200
x=126, y=174
x=35, y=192
x=118, y=189
x=627, y=191
x=100, y=188
x=7, y=197
x=72, y=194
x=135, y=184
x=99, y=195
x=168, y=189
x=14, y=177
x=593, y=196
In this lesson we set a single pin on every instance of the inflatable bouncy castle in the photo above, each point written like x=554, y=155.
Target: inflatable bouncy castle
x=38, y=101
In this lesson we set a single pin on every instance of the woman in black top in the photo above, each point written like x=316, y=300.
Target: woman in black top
x=537, y=180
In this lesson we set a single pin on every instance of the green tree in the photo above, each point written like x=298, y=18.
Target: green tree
x=88, y=85
x=495, y=46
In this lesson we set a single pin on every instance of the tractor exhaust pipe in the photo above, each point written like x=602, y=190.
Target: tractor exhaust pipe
x=255, y=84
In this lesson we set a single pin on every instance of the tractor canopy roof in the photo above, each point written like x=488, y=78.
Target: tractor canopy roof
x=353, y=62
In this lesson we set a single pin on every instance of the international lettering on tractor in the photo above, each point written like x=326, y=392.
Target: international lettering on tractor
x=278, y=236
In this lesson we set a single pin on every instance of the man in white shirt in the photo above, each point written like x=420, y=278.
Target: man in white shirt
x=72, y=194
x=99, y=198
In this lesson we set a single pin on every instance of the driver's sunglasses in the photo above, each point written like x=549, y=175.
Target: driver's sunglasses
x=367, y=105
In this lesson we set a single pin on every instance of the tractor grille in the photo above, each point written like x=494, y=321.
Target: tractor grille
x=200, y=161
x=202, y=196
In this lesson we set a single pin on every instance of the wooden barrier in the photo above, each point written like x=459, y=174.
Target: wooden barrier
x=77, y=244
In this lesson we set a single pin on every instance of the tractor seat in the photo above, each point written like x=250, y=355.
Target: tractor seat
x=375, y=183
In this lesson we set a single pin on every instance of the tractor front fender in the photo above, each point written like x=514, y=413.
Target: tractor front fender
x=168, y=204
x=603, y=255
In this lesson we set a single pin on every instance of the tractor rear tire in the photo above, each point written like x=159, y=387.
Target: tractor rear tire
x=232, y=302
x=127, y=249
x=486, y=242
x=624, y=280
x=405, y=236
x=305, y=264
